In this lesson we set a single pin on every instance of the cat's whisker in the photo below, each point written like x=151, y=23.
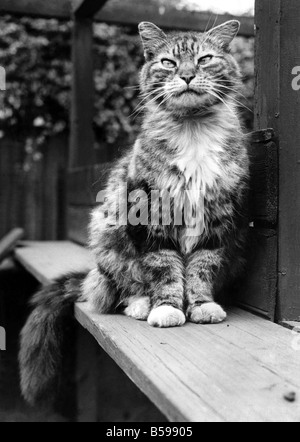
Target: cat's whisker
x=230, y=89
x=234, y=99
x=142, y=105
x=220, y=99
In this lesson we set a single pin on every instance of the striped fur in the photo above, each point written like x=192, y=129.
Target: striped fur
x=191, y=149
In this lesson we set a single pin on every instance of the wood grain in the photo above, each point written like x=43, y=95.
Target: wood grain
x=238, y=371
x=134, y=11
x=129, y=13
x=278, y=106
x=47, y=261
x=264, y=184
x=40, y=8
x=257, y=291
x=289, y=166
x=33, y=197
x=82, y=152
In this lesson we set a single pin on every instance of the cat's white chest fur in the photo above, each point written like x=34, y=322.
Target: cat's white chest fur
x=198, y=150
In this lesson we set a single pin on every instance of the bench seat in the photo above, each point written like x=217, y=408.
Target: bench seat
x=244, y=370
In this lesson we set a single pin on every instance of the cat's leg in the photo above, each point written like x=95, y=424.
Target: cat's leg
x=99, y=291
x=138, y=307
x=165, y=279
x=204, y=269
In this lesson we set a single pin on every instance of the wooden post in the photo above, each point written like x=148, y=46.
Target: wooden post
x=278, y=106
x=82, y=113
x=87, y=8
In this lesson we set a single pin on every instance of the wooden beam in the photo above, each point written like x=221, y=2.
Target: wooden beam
x=87, y=8
x=39, y=8
x=289, y=164
x=129, y=13
x=82, y=151
x=278, y=106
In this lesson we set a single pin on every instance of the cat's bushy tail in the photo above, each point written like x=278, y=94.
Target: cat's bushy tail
x=43, y=335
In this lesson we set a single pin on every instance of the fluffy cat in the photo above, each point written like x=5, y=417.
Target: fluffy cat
x=192, y=151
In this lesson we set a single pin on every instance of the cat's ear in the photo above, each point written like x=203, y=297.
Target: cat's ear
x=152, y=37
x=226, y=32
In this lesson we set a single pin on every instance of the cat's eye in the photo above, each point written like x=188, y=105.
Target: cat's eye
x=204, y=60
x=169, y=64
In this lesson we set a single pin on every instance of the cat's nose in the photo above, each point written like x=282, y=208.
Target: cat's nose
x=188, y=78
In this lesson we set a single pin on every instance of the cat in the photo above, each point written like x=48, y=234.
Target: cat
x=192, y=149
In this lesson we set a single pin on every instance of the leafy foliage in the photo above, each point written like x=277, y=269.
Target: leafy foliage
x=37, y=57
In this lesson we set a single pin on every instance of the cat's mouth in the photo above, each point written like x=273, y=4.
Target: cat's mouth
x=191, y=92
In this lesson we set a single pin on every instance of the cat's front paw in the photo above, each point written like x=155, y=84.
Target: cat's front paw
x=138, y=308
x=208, y=313
x=166, y=316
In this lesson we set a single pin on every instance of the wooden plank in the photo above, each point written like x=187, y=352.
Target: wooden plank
x=257, y=291
x=39, y=8
x=12, y=198
x=82, y=152
x=129, y=13
x=289, y=164
x=9, y=242
x=267, y=40
x=87, y=8
x=247, y=362
x=278, y=106
x=134, y=11
x=266, y=112
x=84, y=183
x=87, y=376
x=47, y=261
x=264, y=184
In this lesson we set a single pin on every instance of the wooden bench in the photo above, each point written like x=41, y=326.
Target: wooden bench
x=244, y=370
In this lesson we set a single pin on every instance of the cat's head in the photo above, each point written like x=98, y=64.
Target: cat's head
x=189, y=70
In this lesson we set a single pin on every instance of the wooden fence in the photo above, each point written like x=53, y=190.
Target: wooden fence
x=32, y=188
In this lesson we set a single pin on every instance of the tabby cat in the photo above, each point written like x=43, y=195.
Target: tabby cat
x=191, y=149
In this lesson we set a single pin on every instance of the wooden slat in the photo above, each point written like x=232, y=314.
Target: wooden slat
x=87, y=8
x=278, y=106
x=129, y=12
x=47, y=261
x=264, y=184
x=8, y=243
x=239, y=371
x=40, y=8
x=267, y=40
x=82, y=151
x=168, y=17
x=289, y=163
x=258, y=290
